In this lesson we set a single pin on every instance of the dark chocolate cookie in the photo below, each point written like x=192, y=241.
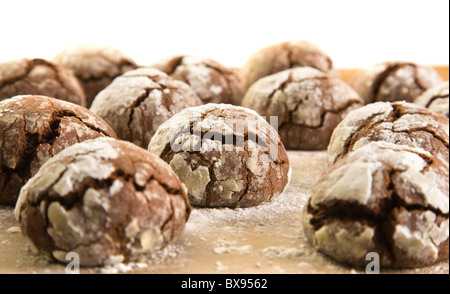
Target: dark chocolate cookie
x=95, y=66
x=308, y=103
x=211, y=81
x=398, y=122
x=33, y=129
x=107, y=200
x=388, y=199
x=278, y=57
x=138, y=101
x=39, y=77
x=394, y=81
x=227, y=156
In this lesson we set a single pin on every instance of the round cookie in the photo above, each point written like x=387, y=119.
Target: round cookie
x=138, y=101
x=398, y=122
x=309, y=104
x=436, y=99
x=95, y=66
x=227, y=156
x=383, y=198
x=32, y=130
x=107, y=200
x=39, y=77
x=285, y=55
x=394, y=81
x=211, y=81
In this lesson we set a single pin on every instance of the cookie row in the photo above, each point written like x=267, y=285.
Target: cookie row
x=307, y=103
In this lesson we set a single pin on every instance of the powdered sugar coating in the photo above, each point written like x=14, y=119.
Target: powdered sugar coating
x=32, y=130
x=39, y=77
x=94, y=65
x=282, y=56
x=98, y=204
x=226, y=155
x=307, y=102
x=399, y=122
x=382, y=192
x=394, y=81
x=436, y=99
x=211, y=81
x=137, y=102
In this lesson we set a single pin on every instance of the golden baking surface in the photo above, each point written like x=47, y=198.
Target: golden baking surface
x=264, y=239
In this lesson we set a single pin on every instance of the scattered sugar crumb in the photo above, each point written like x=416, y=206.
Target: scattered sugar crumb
x=274, y=252
x=229, y=249
x=220, y=266
x=305, y=265
x=13, y=230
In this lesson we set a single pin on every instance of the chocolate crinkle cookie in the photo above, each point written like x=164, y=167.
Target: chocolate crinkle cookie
x=32, y=130
x=227, y=156
x=285, y=55
x=394, y=81
x=39, y=77
x=398, y=123
x=211, y=81
x=138, y=101
x=95, y=66
x=109, y=201
x=386, y=199
x=308, y=104
x=436, y=99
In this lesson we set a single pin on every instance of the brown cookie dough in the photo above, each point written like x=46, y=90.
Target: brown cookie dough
x=436, y=99
x=227, y=156
x=138, y=101
x=33, y=129
x=211, y=81
x=398, y=122
x=282, y=56
x=384, y=198
x=95, y=66
x=107, y=200
x=309, y=104
x=394, y=81
x=39, y=77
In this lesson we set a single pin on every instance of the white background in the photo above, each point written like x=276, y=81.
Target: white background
x=354, y=33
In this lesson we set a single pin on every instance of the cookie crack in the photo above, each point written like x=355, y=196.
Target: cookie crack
x=29, y=67
x=322, y=116
x=137, y=102
x=174, y=66
x=382, y=77
x=434, y=98
x=392, y=117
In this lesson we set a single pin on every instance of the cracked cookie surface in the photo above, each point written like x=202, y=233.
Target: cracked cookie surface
x=39, y=77
x=398, y=122
x=211, y=81
x=138, y=101
x=308, y=103
x=107, y=200
x=394, y=81
x=436, y=99
x=95, y=66
x=384, y=198
x=35, y=128
x=278, y=57
x=227, y=156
